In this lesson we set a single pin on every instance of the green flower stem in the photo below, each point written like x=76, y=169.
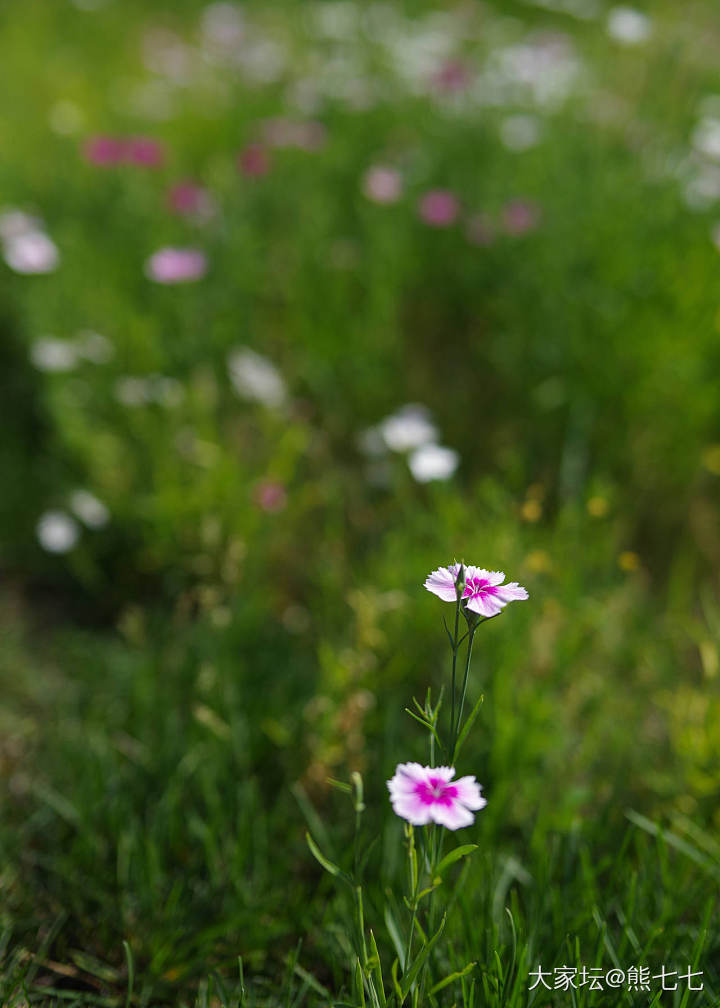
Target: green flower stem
x=454, y=663
x=471, y=638
x=413, y=887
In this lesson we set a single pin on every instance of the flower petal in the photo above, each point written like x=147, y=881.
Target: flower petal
x=442, y=583
x=468, y=793
x=492, y=577
x=511, y=592
x=452, y=816
x=486, y=605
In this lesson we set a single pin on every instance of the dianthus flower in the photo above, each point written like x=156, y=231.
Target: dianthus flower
x=484, y=592
x=429, y=794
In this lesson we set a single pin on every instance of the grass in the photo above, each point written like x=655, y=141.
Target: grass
x=180, y=685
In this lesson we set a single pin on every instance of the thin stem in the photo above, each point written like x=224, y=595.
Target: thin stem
x=412, y=856
x=471, y=638
x=454, y=663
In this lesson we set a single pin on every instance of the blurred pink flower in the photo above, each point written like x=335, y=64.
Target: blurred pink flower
x=382, y=185
x=439, y=208
x=190, y=200
x=452, y=76
x=480, y=229
x=109, y=150
x=254, y=161
x=144, y=151
x=422, y=795
x=484, y=592
x=270, y=496
x=520, y=216
x=176, y=265
x=105, y=150
x=308, y=135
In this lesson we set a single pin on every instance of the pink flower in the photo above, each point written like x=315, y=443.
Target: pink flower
x=439, y=208
x=382, y=185
x=105, y=150
x=429, y=794
x=190, y=200
x=520, y=216
x=176, y=265
x=484, y=592
x=254, y=161
x=108, y=150
x=452, y=76
x=270, y=496
x=144, y=151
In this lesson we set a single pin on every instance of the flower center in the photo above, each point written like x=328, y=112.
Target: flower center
x=435, y=791
x=478, y=586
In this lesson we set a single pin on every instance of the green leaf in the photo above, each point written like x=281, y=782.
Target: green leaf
x=467, y=726
x=377, y=969
x=321, y=859
x=455, y=855
x=394, y=933
x=396, y=984
x=131, y=973
x=425, y=724
x=453, y=976
x=409, y=979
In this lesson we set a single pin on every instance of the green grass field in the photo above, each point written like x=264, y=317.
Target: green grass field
x=237, y=242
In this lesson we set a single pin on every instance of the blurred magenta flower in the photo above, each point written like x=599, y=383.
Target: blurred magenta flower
x=105, y=150
x=439, y=208
x=254, y=161
x=190, y=200
x=484, y=592
x=382, y=185
x=270, y=496
x=109, y=150
x=176, y=265
x=423, y=795
x=144, y=151
x=520, y=216
x=452, y=76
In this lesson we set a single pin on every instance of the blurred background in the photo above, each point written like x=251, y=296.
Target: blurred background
x=299, y=301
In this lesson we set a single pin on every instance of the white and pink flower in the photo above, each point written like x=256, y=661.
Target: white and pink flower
x=484, y=592
x=422, y=795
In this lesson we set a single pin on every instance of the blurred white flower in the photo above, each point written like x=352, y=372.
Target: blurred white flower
x=132, y=390
x=223, y=25
x=66, y=118
x=255, y=377
x=93, y=346
x=50, y=354
x=89, y=509
x=408, y=428
x=31, y=252
x=57, y=532
x=706, y=137
x=371, y=443
x=14, y=223
x=627, y=25
x=519, y=132
x=433, y=462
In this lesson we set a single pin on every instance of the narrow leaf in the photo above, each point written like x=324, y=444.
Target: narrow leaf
x=453, y=976
x=455, y=855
